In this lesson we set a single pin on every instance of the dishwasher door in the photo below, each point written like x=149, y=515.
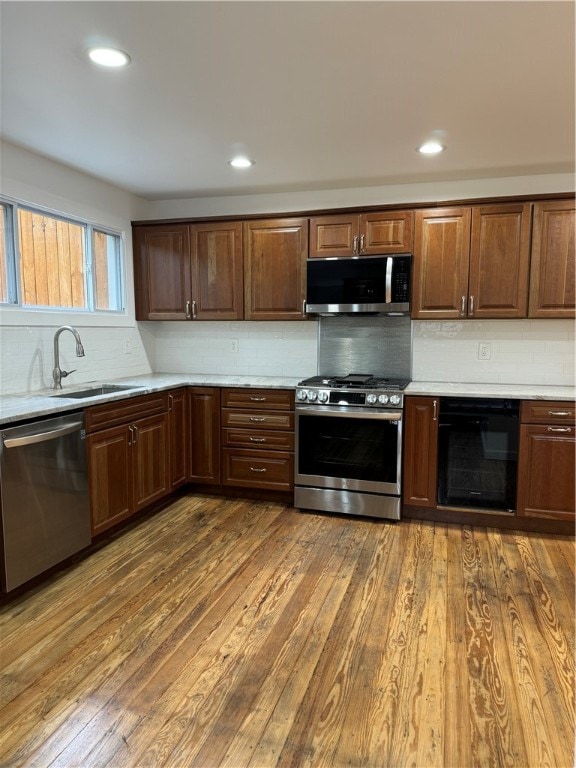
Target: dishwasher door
x=45, y=505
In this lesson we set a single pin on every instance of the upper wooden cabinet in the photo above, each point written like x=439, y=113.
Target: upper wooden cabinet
x=364, y=234
x=472, y=262
x=553, y=255
x=275, y=252
x=189, y=272
x=162, y=272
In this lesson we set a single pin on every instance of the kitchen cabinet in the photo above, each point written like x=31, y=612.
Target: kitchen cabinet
x=162, y=271
x=204, y=435
x=275, y=252
x=552, y=279
x=128, y=457
x=178, y=436
x=365, y=234
x=546, y=461
x=189, y=272
x=420, y=451
x=471, y=262
x=258, y=438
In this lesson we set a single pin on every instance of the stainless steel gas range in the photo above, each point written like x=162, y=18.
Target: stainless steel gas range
x=349, y=445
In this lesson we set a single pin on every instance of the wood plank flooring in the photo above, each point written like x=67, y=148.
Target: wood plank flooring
x=226, y=632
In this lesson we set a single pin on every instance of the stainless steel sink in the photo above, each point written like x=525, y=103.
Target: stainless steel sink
x=104, y=389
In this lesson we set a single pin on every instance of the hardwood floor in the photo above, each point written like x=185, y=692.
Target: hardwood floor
x=224, y=632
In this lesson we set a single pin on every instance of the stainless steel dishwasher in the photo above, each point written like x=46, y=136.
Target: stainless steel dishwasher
x=45, y=504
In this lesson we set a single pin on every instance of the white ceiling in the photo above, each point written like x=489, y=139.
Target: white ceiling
x=320, y=94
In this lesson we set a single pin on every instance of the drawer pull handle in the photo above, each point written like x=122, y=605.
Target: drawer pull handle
x=559, y=413
x=258, y=469
x=257, y=418
x=257, y=439
x=258, y=399
x=559, y=429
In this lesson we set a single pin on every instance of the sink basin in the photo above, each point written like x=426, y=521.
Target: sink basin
x=104, y=389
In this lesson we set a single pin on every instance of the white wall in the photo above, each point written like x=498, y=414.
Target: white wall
x=522, y=351
x=288, y=202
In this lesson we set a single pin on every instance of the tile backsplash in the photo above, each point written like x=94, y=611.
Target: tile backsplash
x=521, y=351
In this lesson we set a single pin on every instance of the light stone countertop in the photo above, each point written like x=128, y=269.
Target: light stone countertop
x=14, y=408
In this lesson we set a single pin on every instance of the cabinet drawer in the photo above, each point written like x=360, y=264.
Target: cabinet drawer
x=257, y=419
x=276, y=399
x=258, y=469
x=547, y=412
x=123, y=411
x=249, y=438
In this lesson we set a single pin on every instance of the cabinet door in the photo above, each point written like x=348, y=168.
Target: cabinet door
x=204, y=430
x=217, y=280
x=162, y=272
x=110, y=477
x=275, y=253
x=441, y=257
x=546, y=475
x=499, y=261
x=386, y=232
x=420, y=451
x=334, y=236
x=553, y=257
x=178, y=436
x=150, y=456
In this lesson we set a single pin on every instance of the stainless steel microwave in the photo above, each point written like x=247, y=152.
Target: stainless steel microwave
x=363, y=284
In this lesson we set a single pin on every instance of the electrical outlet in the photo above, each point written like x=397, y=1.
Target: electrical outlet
x=127, y=347
x=484, y=352
x=233, y=345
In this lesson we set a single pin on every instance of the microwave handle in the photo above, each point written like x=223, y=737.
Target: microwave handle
x=389, y=263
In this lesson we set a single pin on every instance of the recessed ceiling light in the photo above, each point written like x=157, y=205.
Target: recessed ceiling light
x=431, y=148
x=241, y=162
x=108, y=57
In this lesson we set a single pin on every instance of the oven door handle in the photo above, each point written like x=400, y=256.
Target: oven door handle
x=351, y=413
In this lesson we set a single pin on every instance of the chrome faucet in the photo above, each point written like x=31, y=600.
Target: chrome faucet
x=58, y=374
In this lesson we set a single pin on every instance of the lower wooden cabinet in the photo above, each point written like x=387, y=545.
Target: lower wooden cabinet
x=178, y=436
x=258, y=438
x=547, y=457
x=204, y=435
x=420, y=451
x=128, y=458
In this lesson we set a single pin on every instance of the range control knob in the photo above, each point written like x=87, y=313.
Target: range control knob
x=382, y=399
x=301, y=394
x=312, y=395
x=371, y=399
x=395, y=399
x=322, y=396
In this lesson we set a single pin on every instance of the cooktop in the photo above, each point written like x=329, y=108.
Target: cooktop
x=355, y=381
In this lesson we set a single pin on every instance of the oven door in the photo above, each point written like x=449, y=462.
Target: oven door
x=356, y=449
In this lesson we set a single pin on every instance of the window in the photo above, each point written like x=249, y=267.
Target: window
x=48, y=261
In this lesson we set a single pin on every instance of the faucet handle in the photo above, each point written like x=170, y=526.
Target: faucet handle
x=63, y=374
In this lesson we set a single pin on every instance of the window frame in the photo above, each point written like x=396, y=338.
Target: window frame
x=14, y=300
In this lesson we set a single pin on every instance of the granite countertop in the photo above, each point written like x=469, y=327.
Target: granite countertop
x=34, y=405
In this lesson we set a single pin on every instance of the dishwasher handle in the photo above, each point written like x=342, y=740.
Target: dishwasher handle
x=41, y=437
